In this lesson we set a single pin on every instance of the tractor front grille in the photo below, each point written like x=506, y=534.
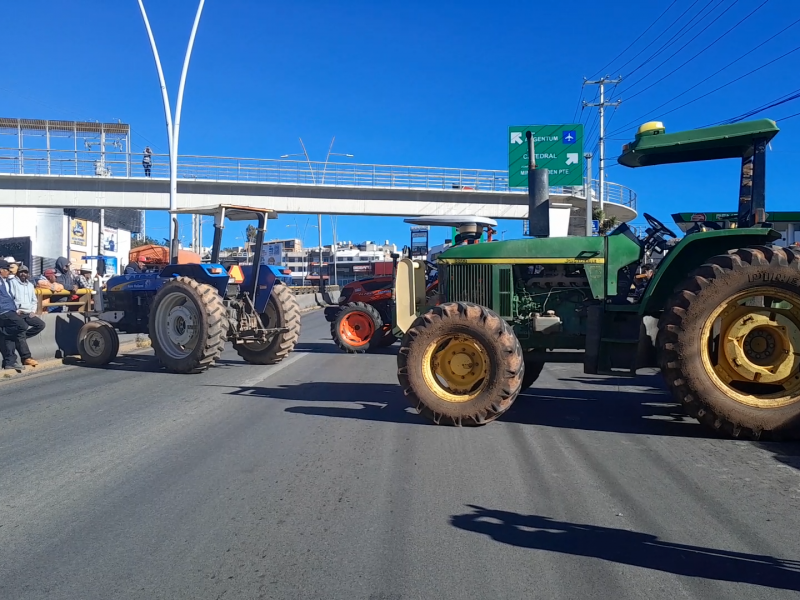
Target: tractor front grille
x=466, y=283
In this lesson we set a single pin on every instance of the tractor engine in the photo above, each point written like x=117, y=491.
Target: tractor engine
x=546, y=303
x=136, y=308
x=551, y=299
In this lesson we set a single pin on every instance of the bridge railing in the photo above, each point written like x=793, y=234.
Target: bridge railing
x=256, y=170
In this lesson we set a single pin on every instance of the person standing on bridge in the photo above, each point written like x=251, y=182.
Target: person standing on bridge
x=147, y=161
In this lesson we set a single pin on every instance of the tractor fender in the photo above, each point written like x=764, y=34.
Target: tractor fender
x=266, y=281
x=694, y=250
x=214, y=275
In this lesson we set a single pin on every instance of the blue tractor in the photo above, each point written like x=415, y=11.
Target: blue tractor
x=191, y=310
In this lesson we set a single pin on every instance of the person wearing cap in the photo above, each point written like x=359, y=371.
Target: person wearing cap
x=47, y=281
x=85, y=277
x=12, y=265
x=12, y=327
x=25, y=298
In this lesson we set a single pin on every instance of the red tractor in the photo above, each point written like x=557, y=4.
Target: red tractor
x=362, y=321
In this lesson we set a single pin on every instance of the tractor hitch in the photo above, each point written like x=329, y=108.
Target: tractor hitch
x=259, y=335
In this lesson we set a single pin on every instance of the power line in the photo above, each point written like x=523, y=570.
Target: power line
x=771, y=104
x=636, y=40
x=714, y=74
x=578, y=106
x=681, y=32
x=656, y=39
x=789, y=117
x=696, y=55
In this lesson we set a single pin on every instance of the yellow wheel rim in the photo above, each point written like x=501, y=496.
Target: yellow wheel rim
x=752, y=347
x=456, y=367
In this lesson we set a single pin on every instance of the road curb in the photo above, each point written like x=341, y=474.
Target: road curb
x=50, y=364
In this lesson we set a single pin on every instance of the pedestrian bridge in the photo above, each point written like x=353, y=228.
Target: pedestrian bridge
x=85, y=179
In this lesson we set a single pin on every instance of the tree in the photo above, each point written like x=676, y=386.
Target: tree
x=145, y=241
x=251, y=233
x=606, y=223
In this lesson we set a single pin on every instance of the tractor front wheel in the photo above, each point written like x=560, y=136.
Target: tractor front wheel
x=188, y=325
x=729, y=343
x=460, y=364
x=98, y=343
x=358, y=328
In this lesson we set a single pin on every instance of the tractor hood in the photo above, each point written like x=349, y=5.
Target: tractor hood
x=562, y=250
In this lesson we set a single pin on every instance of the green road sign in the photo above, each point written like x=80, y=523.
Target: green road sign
x=558, y=148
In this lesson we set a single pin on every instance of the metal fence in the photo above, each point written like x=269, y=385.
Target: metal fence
x=256, y=170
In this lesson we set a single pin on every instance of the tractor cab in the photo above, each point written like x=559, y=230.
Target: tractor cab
x=251, y=280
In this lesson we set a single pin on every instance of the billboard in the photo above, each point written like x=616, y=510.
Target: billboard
x=112, y=267
x=419, y=242
x=78, y=232
x=272, y=254
x=110, y=240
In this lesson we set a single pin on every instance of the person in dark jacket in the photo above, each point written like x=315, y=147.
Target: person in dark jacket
x=12, y=327
x=65, y=277
x=64, y=274
x=133, y=267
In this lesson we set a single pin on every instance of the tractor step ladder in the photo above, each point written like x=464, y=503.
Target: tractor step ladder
x=615, y=345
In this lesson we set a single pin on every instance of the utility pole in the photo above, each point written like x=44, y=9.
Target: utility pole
x=602, y=142
x=588, y=191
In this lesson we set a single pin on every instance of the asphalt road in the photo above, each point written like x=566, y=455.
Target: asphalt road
x=312, y=479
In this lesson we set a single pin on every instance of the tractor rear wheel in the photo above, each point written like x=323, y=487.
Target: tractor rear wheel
x=460, y=364
x=357, y=328
x=532, y=371
x=729, y=343
x=282, y=311
x=98, y=343
x=187, y=325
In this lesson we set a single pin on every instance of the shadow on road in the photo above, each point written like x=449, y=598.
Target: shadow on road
x=645, y=409
x=144, y=363
x=367, y=401
x=330, y=348
x=630, y=548
x=783, y=452
x=649, y=412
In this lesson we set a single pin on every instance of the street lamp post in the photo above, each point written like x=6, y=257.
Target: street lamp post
x=319, y=215
x=173, y=130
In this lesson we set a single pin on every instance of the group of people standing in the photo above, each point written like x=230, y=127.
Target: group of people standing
x=18, y=320
x=19, y=306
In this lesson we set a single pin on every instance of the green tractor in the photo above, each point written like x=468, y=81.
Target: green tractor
x=719, y=314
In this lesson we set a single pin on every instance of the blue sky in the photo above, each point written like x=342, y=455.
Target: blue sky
x=412, y=82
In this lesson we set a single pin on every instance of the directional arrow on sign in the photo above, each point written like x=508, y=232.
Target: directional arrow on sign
x=516, y=137
x=572, y=158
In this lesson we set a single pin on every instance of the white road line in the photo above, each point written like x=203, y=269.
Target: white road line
x=289, y=361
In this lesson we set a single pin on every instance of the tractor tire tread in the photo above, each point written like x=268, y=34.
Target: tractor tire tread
x=510, y=364
x=281, y=347
x=216, y=333
x=377, y=321
x=672, y=330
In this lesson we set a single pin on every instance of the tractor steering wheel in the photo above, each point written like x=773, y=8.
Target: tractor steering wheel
x=658, y=226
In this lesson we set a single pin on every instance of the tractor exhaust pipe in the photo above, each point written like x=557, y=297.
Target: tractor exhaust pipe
x=538, y=195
